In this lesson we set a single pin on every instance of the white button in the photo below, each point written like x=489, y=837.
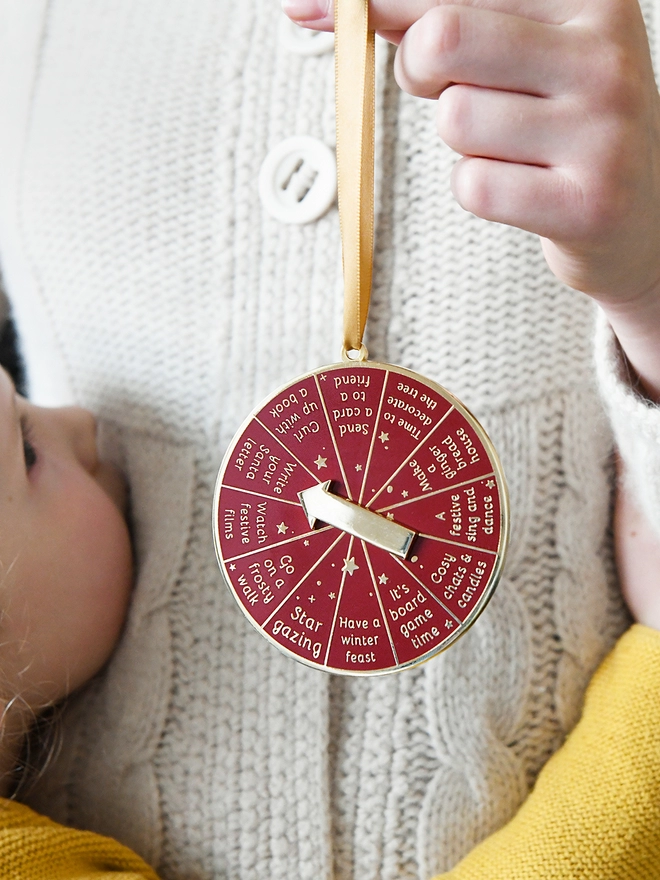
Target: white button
x=304, y=41
x=298, y=180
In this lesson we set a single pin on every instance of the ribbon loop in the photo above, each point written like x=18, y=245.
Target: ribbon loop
x=355, y=107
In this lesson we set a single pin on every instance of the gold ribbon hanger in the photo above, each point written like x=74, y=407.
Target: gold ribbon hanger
x=355, y=108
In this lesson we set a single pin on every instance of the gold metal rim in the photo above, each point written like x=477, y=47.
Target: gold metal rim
x=504, y=516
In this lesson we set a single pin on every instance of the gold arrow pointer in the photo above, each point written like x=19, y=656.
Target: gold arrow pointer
x=319, y=503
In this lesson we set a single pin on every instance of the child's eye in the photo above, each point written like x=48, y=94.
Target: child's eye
x=29, y=452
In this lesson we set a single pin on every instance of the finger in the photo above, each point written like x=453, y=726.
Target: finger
x=504, y=125
x=541, y=200
x=396, y=16
x=457, y=44
x=317, y=14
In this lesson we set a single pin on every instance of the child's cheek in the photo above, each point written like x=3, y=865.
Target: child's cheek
x=92, y=574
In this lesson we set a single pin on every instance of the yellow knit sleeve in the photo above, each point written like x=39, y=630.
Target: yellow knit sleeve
x=33, y=847
x=594, y=813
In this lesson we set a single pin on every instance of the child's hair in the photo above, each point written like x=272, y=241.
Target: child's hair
x=10, y=356
x=41, y=747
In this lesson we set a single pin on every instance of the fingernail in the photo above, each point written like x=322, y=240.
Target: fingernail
x=305, y=10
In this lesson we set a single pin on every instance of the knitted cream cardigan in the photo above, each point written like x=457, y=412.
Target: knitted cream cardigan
x=150, y=285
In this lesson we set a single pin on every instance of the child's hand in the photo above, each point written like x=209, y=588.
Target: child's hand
x=554, y=107
x=638, y=560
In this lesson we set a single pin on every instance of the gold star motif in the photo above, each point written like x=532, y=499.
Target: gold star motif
x=350, y=566
x=390, y=516
x=404, y=493
x=282, y=528
x=312, y=599
x=358, y=467
x=383, y=579
x=232, y=567
x=449, y=624
x=306, y=543
x=383, y=437
x=490, y=484
x=321, y=462
x=322, y=377
x=332, y=596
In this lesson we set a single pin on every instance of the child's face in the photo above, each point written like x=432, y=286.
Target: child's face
x=65, y=555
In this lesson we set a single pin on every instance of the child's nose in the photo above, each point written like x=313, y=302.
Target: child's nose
x=78, y=427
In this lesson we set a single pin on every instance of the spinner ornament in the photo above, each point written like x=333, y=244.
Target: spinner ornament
x=361, y=518
x=360, y=515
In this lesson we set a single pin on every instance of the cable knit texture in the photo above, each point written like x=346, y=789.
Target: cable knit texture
x=150, y=285
x=594, y=810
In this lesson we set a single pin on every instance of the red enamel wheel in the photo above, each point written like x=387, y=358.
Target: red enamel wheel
x=361, y=518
